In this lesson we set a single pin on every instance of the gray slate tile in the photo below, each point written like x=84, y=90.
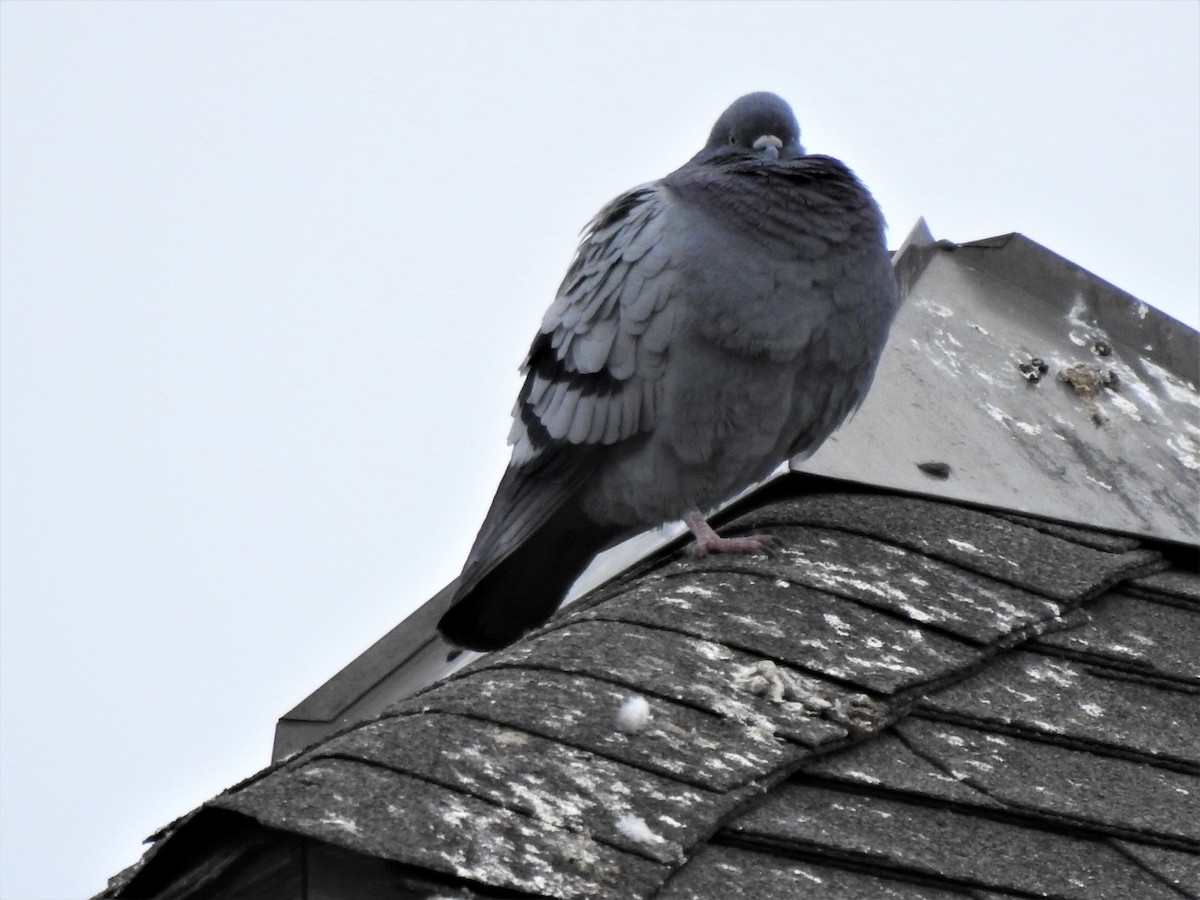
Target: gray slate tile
x=945, y=843
x=808, y=629
x=969, y=538
x=685, y=744
x=1181, y=870
x=732, y=873
x=1173, y=583
x=543, y=779
x=700, y=673
x=905, y=582
x=1097, y=540
x=1062, y=698
x=1154, y=637
x=393, y=816
x=887, y=762
x=1059, y=781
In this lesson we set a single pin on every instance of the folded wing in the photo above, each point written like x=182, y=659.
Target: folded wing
x=593, y=380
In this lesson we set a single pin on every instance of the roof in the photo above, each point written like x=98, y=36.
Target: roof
x=903, y=686
x=912, y=696
x=963, y=415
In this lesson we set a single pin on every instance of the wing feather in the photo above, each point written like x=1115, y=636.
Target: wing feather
x=604, y=339
x=593, y=373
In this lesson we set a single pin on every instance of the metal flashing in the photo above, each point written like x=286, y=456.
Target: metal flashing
x=1035, y=387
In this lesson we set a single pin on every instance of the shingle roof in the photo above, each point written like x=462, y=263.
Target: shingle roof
x=932, y=696
x=910, y=696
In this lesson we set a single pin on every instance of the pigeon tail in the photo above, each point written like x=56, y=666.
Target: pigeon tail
x=525, y=588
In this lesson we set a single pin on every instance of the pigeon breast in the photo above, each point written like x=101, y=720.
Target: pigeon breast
x=782, y=296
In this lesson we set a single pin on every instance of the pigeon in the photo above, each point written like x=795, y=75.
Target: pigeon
x=712, y=325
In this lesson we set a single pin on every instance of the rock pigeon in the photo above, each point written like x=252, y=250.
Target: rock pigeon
x=713, y=324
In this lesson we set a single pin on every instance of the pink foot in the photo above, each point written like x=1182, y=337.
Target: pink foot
x=708, y=541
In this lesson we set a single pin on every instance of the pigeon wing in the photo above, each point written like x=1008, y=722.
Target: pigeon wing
x=592, y=381
x=593, y=370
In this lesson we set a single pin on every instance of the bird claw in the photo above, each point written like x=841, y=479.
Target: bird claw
x=751, y=543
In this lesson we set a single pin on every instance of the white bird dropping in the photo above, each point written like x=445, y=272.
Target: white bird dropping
x=636, y=829
x=634, y=715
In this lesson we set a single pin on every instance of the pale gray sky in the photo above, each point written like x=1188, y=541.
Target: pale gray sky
x=268, y=271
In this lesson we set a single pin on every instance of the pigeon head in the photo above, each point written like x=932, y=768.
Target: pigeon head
x=760, y=124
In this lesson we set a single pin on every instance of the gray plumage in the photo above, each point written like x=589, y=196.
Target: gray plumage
x=712, y=324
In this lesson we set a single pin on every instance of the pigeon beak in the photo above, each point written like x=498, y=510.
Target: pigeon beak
x=768, y=145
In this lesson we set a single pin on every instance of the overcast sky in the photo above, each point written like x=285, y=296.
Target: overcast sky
x=268, y=271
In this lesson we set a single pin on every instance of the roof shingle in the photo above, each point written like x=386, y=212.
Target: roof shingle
x=850, y=710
